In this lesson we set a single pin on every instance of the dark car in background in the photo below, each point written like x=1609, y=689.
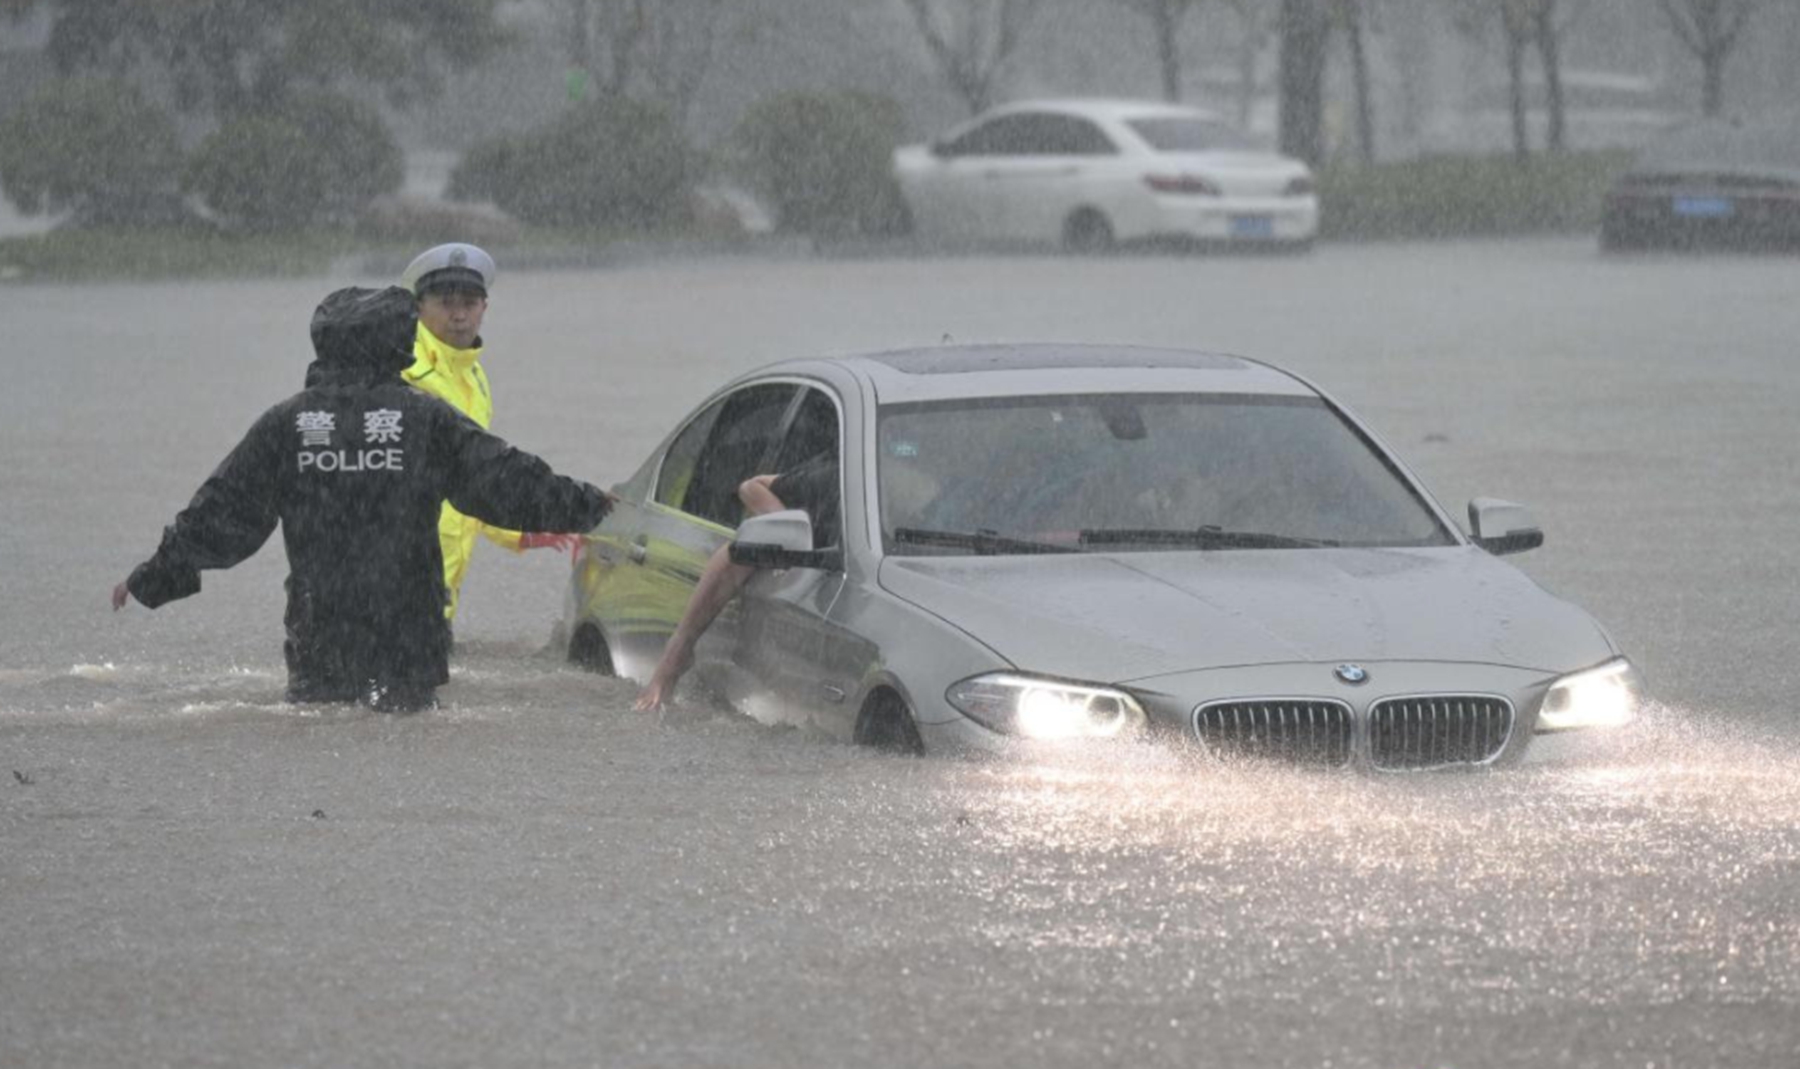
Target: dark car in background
x=1710, y=185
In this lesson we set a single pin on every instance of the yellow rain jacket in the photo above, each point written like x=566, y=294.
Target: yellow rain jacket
x=455, y=375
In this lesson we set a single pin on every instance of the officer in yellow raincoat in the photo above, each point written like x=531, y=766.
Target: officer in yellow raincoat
x=451, y=282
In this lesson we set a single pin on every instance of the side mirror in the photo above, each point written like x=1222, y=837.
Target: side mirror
x=1501, y=527
x=781, y=540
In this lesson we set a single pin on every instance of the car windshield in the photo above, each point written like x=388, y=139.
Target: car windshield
x=1138, y=472
x=1178, y=134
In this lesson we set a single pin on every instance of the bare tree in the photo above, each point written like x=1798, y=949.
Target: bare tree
x=1710, y=29
x=1523, y=26
x=1166, y=19
x=1547, y=32
x=1255, y=33
x=603, y=41
x=1303, y=28
x=663, y=48
x=1348, y=17
x=971, y=41
x=1516, y=26
x=678, y=45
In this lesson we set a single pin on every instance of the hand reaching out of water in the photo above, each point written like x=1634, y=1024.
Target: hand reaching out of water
x=661, y=688
x=652, y=697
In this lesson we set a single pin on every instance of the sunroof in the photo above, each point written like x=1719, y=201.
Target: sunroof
x=952, y=360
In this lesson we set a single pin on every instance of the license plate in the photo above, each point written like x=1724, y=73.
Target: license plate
x=1703, y=207
x=1252, y=226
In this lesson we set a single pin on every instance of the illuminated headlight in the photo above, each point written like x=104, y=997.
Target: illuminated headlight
x=1047, y=708
x=1598, y=697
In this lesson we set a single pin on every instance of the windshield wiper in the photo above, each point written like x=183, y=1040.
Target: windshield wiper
x=984, y=542
x=1206, y=537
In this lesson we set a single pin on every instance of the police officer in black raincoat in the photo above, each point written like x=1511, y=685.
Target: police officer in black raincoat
x=355, y=469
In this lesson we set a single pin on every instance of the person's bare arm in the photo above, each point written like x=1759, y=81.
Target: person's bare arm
x=719, y=583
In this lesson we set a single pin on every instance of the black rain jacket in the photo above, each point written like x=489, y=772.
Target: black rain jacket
x=355, y=469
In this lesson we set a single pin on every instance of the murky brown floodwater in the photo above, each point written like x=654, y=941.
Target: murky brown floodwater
x=192, y=873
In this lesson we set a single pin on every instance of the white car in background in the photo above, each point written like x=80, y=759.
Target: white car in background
x=1089, y=173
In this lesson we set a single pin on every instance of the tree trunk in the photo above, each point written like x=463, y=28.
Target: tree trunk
x=1712, y=84
x=1710, y=30
x=1515, y=75
x=1248, y=50
x=1359, y=73
x=1302, y=33
x=1550, y=55
x=1168, y=46
x=581, y=35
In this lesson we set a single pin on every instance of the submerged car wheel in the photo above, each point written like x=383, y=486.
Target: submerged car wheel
x=887, y=724
x=1086, y=230
x=588, y=650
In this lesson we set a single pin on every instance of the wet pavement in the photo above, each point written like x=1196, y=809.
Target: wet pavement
x=193, y=873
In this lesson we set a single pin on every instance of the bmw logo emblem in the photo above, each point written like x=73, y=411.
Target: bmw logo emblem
x=1352, y=673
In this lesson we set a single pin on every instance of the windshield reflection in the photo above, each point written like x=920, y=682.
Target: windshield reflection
x=1138, y=472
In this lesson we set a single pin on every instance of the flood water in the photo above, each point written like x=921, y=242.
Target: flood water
x=193, y=873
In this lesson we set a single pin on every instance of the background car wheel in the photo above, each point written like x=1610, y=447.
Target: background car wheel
x=588, y=650
x=1087, y=231
x=887, y=724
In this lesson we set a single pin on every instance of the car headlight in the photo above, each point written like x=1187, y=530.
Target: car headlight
x=1046, y=708
x=1598, y=697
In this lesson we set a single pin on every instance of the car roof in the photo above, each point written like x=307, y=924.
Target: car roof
x=1116, y=109
x=953, y=372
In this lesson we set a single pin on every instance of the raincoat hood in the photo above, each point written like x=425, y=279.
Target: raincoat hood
x=362, y=336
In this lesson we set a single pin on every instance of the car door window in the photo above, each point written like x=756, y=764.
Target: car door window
x=810, y=452
x=677, y=471
x=1066, y=135
x=720, y=448
x=1033, y=134
x=1009, y=135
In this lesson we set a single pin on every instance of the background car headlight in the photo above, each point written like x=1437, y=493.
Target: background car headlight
x=1598, y=697
x=1046, y=708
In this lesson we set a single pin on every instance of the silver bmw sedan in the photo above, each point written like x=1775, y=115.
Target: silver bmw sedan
x=1033, y=544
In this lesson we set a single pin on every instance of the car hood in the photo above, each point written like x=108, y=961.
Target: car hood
x=1124, y=617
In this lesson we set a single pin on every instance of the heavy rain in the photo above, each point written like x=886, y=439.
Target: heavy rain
x=195, y=872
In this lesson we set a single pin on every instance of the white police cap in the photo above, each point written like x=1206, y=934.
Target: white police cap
x=454, y=264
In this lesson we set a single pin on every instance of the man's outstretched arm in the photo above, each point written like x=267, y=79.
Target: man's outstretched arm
x=719, y=583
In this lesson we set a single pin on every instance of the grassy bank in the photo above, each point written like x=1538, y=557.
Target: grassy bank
x=101, y=254
x=1466, y=196
x=84, y=255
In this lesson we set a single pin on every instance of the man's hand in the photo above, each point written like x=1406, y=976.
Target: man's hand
x=543, y=540
x=121, y=594
x=650, y=698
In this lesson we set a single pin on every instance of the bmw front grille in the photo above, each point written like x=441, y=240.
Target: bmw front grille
x=1399, y=734
x=1433, y=730
x=1305, y=730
